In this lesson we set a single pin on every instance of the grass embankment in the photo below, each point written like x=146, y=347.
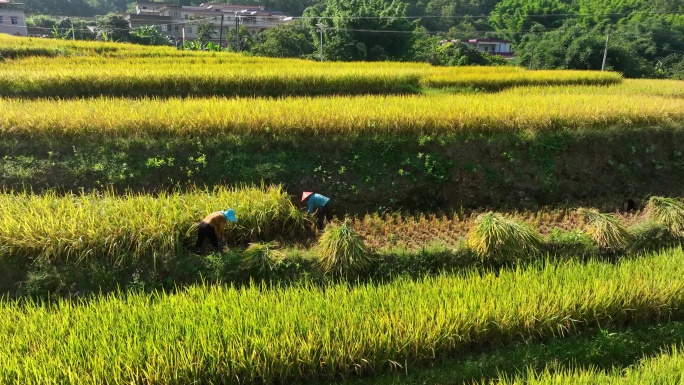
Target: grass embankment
x=283, y=335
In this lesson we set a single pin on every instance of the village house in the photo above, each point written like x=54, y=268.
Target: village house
x=12, y=19
x=492, y=46
x=182, y=22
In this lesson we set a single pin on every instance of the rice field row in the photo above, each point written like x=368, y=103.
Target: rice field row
x=430, y=114
x=666, y=368
x=271, y=335
x=74, y=227
x=88, y=77
x=21, y=47
x=38, y=68
x=220, y=76
x=94, y=225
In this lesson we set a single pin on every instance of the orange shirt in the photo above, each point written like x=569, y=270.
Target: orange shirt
x=217, y=220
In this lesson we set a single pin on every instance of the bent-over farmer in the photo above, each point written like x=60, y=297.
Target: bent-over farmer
x=212, y=227
x=319, y=205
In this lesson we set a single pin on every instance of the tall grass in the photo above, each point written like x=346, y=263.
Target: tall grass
x=106, y=225
x=263, y=335
x=447, y=114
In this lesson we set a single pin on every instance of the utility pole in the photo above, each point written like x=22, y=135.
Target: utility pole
x=73, y=32
x=237, y=31
x=221, y=33
x=320, y=29
x=532, y=56
x=605, y=51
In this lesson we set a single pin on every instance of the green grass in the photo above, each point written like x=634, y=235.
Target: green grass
x=224, y=335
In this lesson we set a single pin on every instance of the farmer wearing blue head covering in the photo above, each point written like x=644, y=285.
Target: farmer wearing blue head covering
x=212, y=227
x=318, y=205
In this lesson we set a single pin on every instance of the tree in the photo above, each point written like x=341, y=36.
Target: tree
x=206, y=31
x=285, y=40
x=113, y=26
x=246, y=39
x=361, y=29
x=575, y=47
x=149, y=35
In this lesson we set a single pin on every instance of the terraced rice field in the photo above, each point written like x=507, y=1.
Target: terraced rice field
x=61, y=94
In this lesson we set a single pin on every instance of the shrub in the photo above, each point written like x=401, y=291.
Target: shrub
x=502, y=239
x=342, y=251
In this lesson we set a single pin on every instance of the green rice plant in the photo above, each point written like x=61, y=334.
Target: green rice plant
x=342, y=251
x=501, y=239
x=667, y=211
x=665, y=368
x=273, y=335
x=262, y=256
x=605, y=230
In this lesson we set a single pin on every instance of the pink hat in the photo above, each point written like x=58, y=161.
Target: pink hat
x=306, y=194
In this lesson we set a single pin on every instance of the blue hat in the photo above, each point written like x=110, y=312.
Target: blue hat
x=230, y=215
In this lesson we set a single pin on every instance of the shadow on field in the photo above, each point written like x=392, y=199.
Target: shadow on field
x=598, y=349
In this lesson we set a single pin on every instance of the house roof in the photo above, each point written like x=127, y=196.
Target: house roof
x=160, y=3
x=488, y=41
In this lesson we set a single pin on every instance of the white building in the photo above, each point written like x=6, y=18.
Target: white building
x=12, y=19
x=492, y=46
x=182, y=22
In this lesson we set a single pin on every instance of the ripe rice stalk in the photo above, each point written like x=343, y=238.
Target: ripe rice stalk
x=667, y=211
x=498, y=238
x=76, y=227
x=604, y=229
x=393, y=115
x=342, y=252
x=262, y=256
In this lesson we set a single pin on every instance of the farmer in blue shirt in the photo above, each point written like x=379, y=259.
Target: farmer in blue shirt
x=318, y=205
